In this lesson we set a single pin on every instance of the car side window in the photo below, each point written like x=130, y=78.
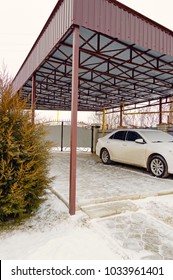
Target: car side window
x=119, y=135
x=132, y=136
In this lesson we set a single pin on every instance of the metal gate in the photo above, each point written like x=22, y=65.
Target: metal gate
x=59, y=134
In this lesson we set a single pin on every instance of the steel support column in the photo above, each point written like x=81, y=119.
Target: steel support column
x=121, y=115
x=160, y=110
x=33, y=98
x=103, y=122
x=62, y=135
x=74, y=109
x=171, y=111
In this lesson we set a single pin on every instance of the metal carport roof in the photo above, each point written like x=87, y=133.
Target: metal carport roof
x=124, y=57
x=95, y=54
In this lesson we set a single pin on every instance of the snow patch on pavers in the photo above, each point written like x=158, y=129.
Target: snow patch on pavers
x=108, y=209
x=160, y=208
x=141, y=235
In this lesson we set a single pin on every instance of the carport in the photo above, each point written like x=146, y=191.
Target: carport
x=93, y=55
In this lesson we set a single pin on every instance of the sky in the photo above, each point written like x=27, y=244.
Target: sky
x=21, y=22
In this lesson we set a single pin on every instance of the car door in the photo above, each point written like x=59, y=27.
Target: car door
x=115, y=145
x=134, y=153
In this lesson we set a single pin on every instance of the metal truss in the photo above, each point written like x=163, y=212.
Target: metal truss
x=111, y=73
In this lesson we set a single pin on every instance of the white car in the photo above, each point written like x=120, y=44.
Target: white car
x=151, y=149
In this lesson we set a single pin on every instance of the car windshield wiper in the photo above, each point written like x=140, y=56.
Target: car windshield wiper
x=157, y=141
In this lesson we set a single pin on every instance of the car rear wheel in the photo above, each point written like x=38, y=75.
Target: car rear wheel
x=158, y=166
x=105, y=157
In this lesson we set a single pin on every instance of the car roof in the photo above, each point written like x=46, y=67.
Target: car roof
x=138, y=129
x=154, y=130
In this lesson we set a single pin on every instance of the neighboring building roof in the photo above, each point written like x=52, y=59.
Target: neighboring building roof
x=125, y=57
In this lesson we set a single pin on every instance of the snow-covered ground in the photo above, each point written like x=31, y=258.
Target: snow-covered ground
x=122, y=213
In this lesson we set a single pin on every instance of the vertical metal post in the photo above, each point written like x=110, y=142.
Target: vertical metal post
x=160, y=110
x=121, y=115
x=171, y=111
x=92, y=138
x=103, y=121
x=74, y=108
x=62, y=135
x=33, y=100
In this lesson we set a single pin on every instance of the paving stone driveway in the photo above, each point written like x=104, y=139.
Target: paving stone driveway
x=133, y=208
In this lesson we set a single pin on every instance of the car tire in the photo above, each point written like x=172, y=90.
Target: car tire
x=105, y=157
x=158, y=166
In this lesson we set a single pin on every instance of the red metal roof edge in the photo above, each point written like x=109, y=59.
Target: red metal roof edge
x=49, y=19
x=41, y=33
x=138, y=14
x=124, y=7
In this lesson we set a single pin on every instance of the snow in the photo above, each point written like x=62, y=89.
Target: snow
x=123, y=213
x=54, y=234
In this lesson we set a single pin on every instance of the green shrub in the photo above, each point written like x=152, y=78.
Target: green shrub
x=24, y=158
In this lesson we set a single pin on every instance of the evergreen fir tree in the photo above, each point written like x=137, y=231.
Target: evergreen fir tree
x=24, y=157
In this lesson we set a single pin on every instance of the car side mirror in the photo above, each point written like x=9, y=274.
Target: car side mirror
x=140, y=141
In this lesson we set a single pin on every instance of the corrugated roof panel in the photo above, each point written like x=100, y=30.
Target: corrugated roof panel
x=112, y=18
x=54, y=29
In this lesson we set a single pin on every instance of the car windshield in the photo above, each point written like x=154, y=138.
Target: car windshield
x=157, y=136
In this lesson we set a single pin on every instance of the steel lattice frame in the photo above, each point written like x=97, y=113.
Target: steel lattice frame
x=111, y=73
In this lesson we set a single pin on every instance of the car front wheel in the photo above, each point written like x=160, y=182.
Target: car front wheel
x=158, y=166
x=105, y=157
